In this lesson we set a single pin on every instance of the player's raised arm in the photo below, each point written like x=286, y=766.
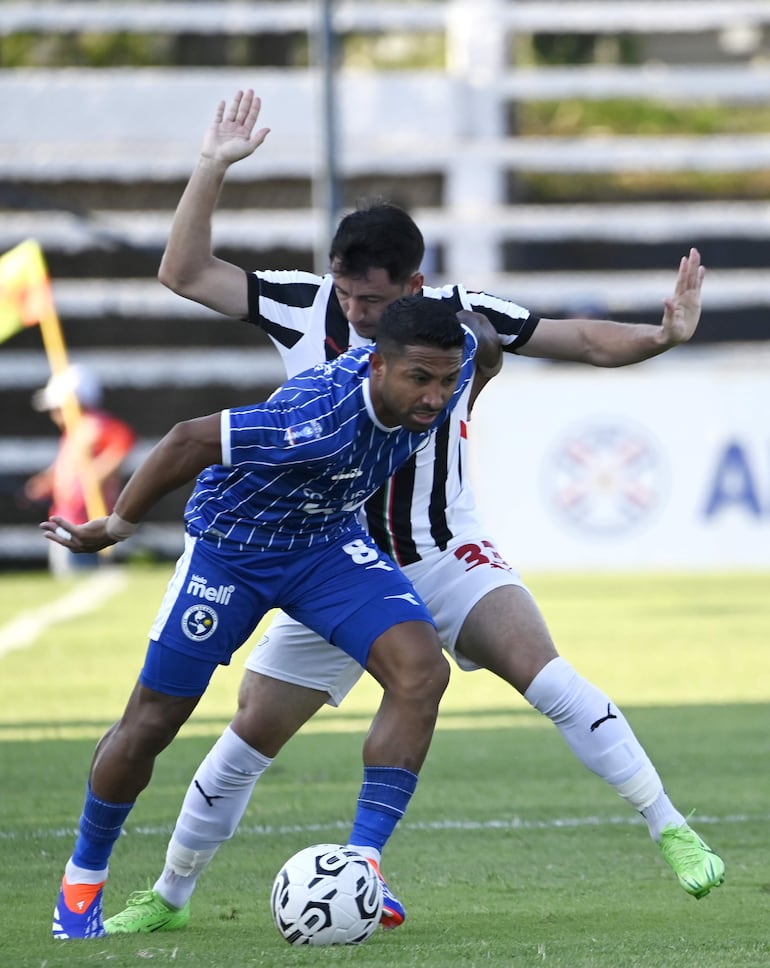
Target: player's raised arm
x=177, y=459
x=603, y=342
x=188, y=266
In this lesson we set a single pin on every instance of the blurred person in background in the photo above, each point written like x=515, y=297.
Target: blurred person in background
x=98, y=439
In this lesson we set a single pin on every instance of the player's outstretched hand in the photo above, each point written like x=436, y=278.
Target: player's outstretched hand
x=231, y=135
x=682, y=311
x=80, y=538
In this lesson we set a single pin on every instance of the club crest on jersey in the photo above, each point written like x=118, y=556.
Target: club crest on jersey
x=305, y=431
x=199, y=622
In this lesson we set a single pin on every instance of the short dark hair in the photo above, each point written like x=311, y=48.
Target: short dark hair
x=378, y=236
x=415, y=320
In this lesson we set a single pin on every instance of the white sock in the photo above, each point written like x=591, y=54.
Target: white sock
x=213, y=806
x=660, y=813
x=601, y=738
x=370, y=853
x=82, y=875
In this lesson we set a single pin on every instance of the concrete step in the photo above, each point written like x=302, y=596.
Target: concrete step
x=255, y=230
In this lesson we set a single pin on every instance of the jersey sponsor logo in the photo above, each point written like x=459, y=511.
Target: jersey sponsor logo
x=306, y=431
x=199, y=622
x=200, y=588
x=350, y=475
x=606, y=478
x=312, y=505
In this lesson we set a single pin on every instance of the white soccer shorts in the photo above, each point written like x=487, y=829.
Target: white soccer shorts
x=450, y=583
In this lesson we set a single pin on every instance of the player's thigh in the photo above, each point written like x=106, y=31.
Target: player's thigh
x=292, y=653
x=506, y=633
x=350, y=593
x=453, y=582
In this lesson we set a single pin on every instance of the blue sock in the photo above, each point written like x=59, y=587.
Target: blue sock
x=382, y=802
x=100, y=826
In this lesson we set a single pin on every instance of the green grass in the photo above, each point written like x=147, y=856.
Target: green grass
x=511, y=853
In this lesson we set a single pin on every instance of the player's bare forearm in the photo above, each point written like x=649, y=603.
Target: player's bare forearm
x=177, y=459
x=188, y=266
x=189, y=243
x=489, y=352
x=604, y=342
x=488, y=359
x=608, y=343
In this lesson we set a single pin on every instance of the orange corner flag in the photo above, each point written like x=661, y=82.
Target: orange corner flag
x=25, y=289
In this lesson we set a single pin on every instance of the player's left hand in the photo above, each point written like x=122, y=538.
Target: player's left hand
x=81, y=538
x=682, y=311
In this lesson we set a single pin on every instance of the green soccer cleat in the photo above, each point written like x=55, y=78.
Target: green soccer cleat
x=145, y=912
x=691, y=859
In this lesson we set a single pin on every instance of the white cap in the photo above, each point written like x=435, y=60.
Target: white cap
x=75, y=379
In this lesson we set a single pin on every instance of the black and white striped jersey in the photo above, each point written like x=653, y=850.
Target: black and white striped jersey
x=430, y=499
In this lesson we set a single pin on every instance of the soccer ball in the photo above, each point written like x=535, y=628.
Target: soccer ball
x=326, y=894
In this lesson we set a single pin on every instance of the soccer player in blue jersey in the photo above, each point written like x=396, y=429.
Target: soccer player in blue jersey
x=425, y=517
x=272, y=522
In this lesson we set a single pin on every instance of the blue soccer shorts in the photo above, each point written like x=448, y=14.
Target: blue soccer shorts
x=347, y=590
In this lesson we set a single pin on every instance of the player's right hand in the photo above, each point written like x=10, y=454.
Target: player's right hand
x=231, y=135
x=81, y=538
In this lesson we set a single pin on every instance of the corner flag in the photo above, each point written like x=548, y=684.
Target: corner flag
x=25, y=289
x=26, y=299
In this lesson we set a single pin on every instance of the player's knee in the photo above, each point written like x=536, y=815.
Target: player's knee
x=422, y=678
x=437, y=675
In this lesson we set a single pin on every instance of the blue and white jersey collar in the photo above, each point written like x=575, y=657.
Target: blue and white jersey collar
x=367, y=392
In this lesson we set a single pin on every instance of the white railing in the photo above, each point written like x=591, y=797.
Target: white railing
x=524, y=16
x=146, y=124
x=127, y=126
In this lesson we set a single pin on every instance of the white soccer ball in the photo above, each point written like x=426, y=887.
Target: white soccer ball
x=326, y=894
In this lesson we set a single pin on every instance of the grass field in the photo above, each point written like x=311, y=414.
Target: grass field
x=511, y=853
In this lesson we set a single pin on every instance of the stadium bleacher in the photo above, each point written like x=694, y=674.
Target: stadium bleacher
x=92, y=161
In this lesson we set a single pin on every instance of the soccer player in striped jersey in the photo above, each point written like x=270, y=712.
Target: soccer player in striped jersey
x=273, y=522
x=425, y=517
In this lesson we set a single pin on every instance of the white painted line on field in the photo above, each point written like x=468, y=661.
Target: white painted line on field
x=89, y=594
x=511, y=823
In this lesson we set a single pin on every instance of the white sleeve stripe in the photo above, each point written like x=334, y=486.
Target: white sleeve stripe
x=225, y=435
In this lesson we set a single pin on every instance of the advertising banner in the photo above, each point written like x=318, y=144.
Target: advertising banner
x=661, y=465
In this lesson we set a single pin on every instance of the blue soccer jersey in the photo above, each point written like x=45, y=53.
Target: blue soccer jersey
x=297, y=468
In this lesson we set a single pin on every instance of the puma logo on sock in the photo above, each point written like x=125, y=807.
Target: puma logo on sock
x=210, y=800
x=595, y=725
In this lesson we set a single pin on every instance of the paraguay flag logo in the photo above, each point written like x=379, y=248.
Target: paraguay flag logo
x=606, y=478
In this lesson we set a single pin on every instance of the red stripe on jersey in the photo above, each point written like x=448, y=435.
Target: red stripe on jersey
x=463, y=430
